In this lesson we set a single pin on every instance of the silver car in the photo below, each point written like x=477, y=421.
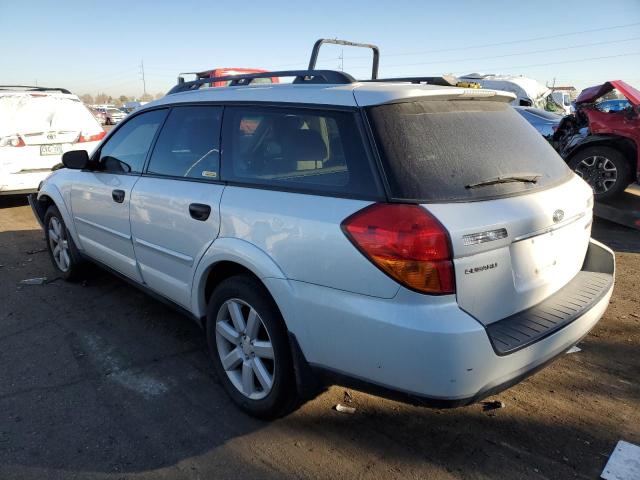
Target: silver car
x=416, y=241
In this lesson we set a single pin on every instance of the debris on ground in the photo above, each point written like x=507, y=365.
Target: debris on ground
x=348, y=398
x=34, y=281
x=38, y=250
x=344, y=409
x=493, y=405
x=624, y=463
x=574, y=349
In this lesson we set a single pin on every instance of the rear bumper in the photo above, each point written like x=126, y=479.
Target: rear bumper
x=17, y=183
x=437, y=356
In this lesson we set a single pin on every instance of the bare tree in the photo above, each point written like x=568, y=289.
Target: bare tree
x=159, y=95
x=86, y=99
x=146, y=97
x=102, y=98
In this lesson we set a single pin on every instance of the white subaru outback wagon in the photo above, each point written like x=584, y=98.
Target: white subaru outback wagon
x=416, y=241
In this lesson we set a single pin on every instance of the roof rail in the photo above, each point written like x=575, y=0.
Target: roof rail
x=31, y=88
x=301, y=76
x=444, y=81
x=335, y=41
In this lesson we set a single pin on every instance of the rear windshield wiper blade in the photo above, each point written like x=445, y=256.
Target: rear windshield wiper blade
x=520, y=177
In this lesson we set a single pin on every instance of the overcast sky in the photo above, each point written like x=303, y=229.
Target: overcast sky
x=92, y=47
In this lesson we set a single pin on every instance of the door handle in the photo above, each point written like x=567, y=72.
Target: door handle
x=118, y=196
x=199, y=211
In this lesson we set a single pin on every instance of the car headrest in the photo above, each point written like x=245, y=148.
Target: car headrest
x=305, y=145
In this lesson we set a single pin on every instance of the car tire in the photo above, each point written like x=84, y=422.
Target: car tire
x=605, y=169
x=244, y=328
x=64, y=254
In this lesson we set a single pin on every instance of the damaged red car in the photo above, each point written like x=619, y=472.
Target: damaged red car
x=602, y=146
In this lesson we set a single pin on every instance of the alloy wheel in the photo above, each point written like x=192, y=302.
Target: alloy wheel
x=599, y=172
x=59, y=244
x=245, y=349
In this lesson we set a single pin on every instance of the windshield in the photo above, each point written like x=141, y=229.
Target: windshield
x=432, y=150
x=36, y=113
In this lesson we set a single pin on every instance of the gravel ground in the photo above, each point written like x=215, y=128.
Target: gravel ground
x=100, y=381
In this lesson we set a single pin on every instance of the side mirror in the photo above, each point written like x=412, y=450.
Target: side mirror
x=75, y=159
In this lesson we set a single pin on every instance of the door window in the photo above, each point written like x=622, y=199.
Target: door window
x=301, y=149
x=189, y=144
x=126, y=150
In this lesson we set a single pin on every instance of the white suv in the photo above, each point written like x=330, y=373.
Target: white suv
x=37, y=125
x=417, y=241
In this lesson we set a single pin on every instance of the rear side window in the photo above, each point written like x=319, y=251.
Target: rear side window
x=434, y=151
x=315, y=151
x=189, y=144
x=126, y=150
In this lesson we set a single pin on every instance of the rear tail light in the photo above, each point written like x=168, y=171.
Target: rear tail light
x=405, y=242
x=12, y=141
x=92, y=138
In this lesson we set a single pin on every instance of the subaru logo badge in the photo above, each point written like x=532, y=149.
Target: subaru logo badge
x=51, y=136
x=558, y=215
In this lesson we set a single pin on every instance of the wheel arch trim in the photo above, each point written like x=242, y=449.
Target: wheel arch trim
x=235, y=250
x=52, y=193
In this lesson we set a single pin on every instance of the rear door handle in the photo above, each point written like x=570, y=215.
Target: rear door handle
x=199, y=211
x=118, y=196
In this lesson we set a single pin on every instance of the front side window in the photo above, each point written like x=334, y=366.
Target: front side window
x=317, y=151
x=189, y=144
x=126, y=150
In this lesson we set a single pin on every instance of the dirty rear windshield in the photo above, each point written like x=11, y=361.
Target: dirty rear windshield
x=433, y=150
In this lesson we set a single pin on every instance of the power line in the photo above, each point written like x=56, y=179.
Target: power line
x=510, y=42
x=519, y=54
x=578, y=60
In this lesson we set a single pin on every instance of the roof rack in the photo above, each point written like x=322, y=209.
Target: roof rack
x=443, y=81
x=311, y=75
x=31, y=88
x=301, y=76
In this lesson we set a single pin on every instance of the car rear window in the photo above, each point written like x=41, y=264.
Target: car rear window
x=433, y=150
x=299, y=149
x=41, y=112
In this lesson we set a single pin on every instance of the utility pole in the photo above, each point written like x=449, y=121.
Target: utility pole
x=341, y=58
x=144, y=84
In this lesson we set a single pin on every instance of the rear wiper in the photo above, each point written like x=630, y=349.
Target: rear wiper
x=520, y=177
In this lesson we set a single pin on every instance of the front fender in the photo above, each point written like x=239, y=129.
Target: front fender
x=238, y=251
x=51, y=191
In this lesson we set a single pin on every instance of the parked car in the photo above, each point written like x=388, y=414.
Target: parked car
x=100, y=116
x=320, y=237
x=602, y=146
x=544, y=122
x=37, y=125
x=112, y=115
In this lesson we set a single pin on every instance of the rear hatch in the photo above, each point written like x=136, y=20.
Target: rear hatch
x=518, y=218
x=48, y=124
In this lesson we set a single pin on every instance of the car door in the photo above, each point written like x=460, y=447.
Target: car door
x=175, y=204
x=100, y=198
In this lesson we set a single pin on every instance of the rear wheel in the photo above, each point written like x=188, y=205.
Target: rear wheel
x=605, y=169
x=250, y=349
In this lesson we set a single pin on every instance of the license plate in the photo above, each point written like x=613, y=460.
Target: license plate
x=51, y=149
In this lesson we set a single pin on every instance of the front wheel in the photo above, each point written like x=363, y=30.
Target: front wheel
x=62, y=250
x=249, y=347
x=605, y=169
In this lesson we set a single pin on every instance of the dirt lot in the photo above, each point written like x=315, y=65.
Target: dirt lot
x=99, y=381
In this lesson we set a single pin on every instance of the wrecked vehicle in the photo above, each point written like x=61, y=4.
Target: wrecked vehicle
x=599, y=144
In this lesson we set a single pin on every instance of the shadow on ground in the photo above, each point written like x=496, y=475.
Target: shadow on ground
x=99, y=378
